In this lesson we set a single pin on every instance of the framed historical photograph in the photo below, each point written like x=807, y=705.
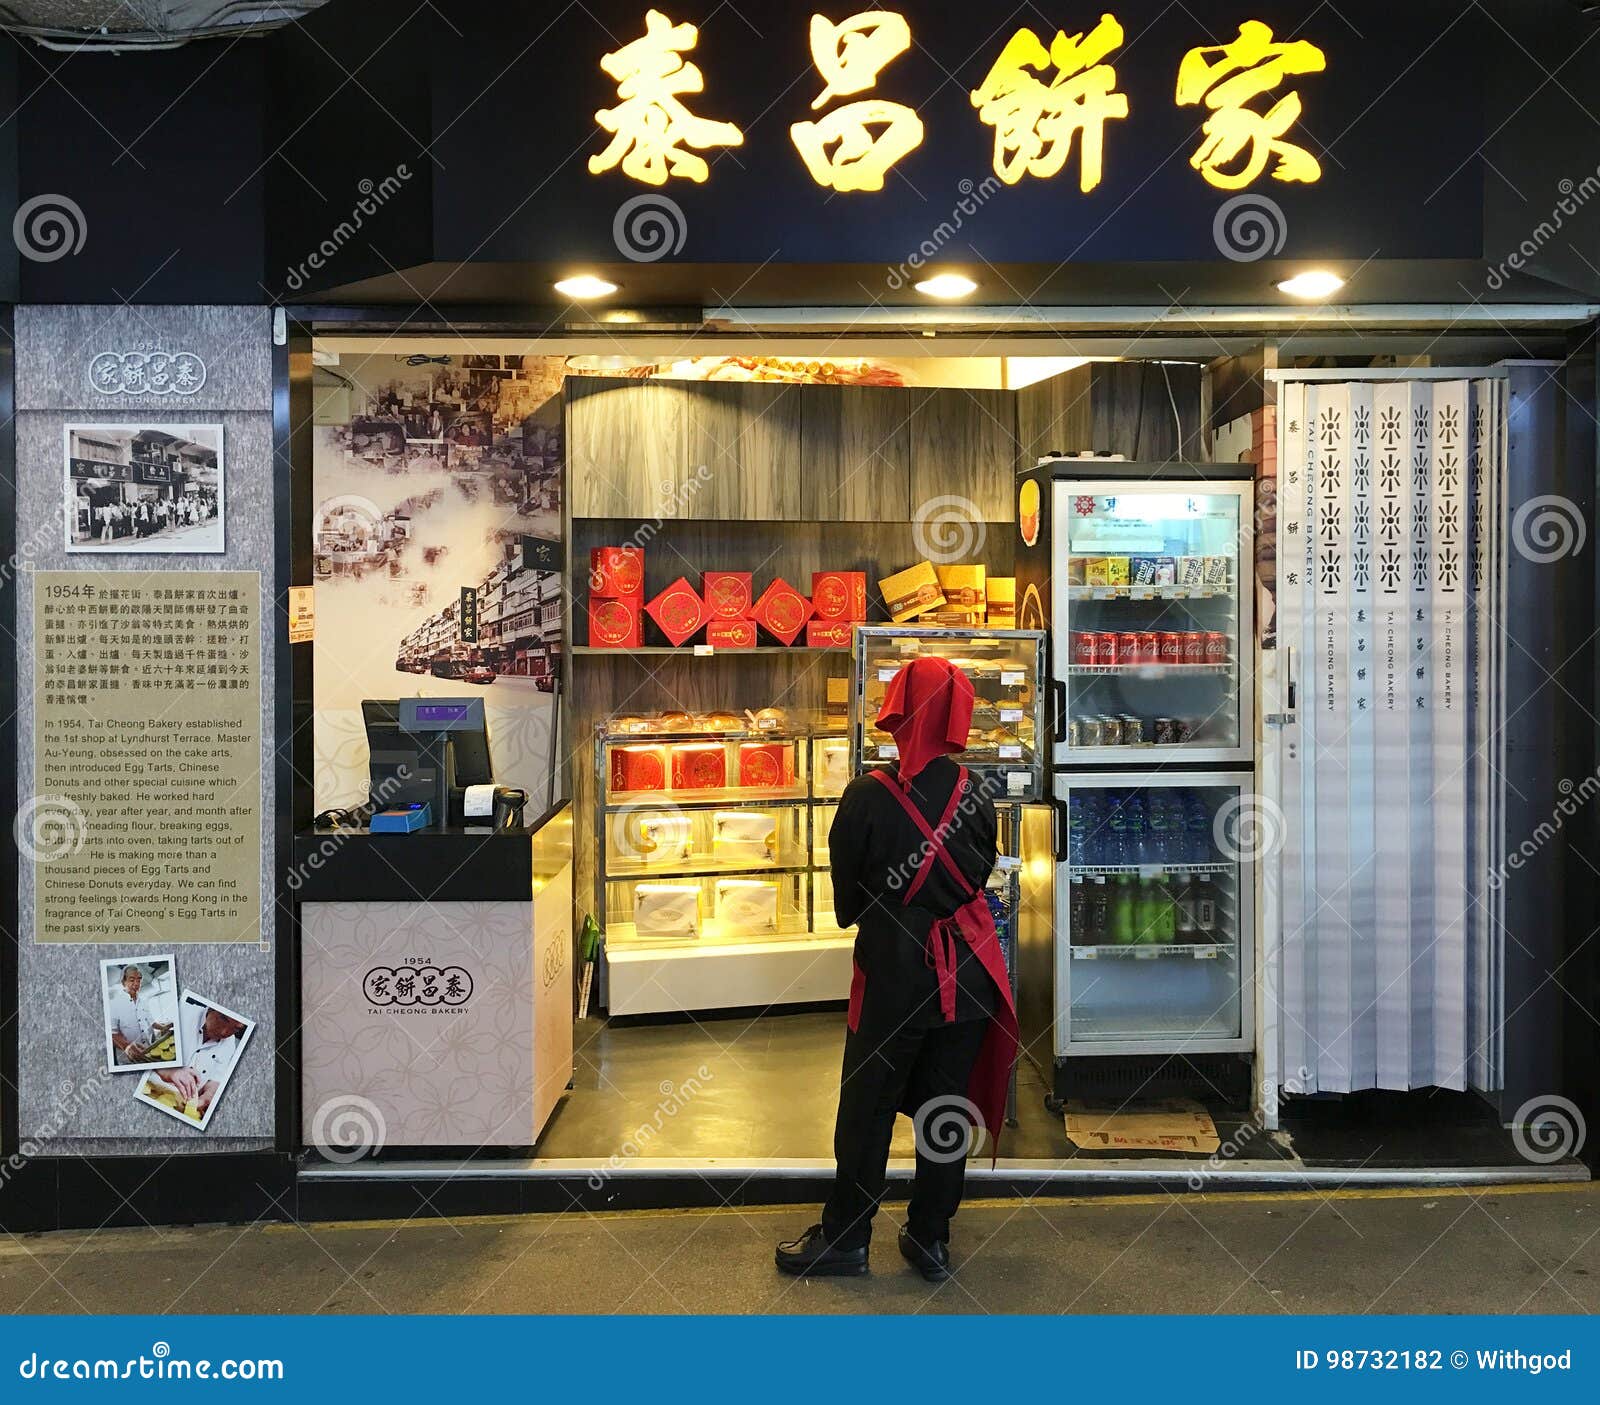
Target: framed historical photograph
x=144, y=488
x=139, y=995
x=213, y=1039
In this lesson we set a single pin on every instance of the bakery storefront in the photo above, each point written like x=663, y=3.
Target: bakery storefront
x=1129, y=368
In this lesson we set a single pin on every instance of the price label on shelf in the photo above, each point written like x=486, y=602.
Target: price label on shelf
x=890, y=750
x=1104, y=592
x=1085, y=953
x=1012, y=678
x=703, y=650
x=1011, y=714
x=1146, y=954
x=1017, y=782
x=1142, y=592
x=1205, y=955
x=1011, y=753
x=886, y=674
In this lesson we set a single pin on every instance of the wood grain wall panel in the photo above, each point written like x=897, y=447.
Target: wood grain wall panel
x=1053, y=416
x=964, y=444
x=626, y=446
x=821, y=465
x=742, y=457
x=875, y=453
x=1114, y=407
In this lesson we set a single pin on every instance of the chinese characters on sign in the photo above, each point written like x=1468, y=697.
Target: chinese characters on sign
x=147, y=722
x=854, y=145
x=1040, y=101
x=650, y=127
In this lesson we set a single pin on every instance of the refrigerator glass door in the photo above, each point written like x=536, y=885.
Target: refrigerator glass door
x=1153, y=645
x=1154, y=914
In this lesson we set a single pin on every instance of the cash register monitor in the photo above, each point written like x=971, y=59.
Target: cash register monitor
x=461, y=724
x=422, y=749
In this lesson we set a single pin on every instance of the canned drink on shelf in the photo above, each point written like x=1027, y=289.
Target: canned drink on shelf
x=1171, y=648
x=1105, y=650
x=1089, y=733
x=1194, y=647
x=1085, y=645
x=1186, y=730
x=1166, y=731
x=1216, y=647
x=1149, y=646
x=1132, y=730
x=1110, y=731
x=1127, y=648
x=1074, y=732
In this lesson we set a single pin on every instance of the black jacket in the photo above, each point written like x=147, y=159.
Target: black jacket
x=876, y=851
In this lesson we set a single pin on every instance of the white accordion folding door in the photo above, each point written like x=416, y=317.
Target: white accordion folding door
x=1387, y=953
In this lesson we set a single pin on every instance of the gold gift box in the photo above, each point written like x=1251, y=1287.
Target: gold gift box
x=912, y=592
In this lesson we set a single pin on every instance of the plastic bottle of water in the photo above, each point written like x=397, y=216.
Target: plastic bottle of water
x=1075, y=830
x=1159, y=822
x=1199, y=827
x=1137, y=832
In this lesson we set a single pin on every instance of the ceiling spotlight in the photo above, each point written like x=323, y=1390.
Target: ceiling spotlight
x=1314, y=284
x=946, y=285
x=585, y=286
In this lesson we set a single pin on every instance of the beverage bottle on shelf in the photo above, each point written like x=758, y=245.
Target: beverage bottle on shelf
x=1116, y=849
x=1099, y=912
x=1135, y=831
x=1076, y=833
x=1199, y=826
x=1207, y=920
x=1093, y=827
x=1184, y=927
x=1122, y=924
x=1159, y=823
x=1078, y=921
x=1163, y=914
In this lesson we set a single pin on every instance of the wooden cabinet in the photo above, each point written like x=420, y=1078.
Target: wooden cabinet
x=625, y=447
x=742, y=457
x=964, y=445
x=855, y=453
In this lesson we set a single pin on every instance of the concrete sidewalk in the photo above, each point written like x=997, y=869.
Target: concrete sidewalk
x=1525, y=1249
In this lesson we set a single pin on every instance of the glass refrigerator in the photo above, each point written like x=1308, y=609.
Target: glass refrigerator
x=1142, y=578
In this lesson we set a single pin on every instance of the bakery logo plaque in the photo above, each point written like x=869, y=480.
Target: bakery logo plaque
x=146, y=373
x=417, y=987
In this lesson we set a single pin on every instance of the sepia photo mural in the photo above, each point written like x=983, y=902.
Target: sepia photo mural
x=438, y=555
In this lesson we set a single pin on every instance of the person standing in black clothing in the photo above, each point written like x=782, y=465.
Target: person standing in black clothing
x=931, y=1030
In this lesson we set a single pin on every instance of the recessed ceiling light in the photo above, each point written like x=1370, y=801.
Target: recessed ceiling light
x=1314, y=283
x=946, y=285
x=585, y=286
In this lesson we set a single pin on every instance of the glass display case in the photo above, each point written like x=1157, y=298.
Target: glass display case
x=1152, y=621
x=1006, y=667
x=710, y=833
x=1154, y=914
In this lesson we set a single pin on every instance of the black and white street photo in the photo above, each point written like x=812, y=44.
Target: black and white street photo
x=146, y=488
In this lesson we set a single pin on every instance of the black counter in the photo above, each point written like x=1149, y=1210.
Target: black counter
x=432, y=865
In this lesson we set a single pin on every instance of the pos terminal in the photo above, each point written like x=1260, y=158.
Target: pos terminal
x=429, y=766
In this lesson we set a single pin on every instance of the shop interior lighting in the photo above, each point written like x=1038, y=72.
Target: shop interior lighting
x=585, y=286
x=947, y=285
x=1314, y=284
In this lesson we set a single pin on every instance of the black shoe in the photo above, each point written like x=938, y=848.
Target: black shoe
x=932, y=1261
x=813, y=1257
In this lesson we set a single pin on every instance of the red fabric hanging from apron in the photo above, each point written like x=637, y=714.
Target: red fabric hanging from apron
x=973, y=923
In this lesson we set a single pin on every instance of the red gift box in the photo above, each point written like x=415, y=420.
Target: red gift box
x=766, y=764
x=839, y=595
x=638, y=768
x=699, y=766
x=829, y=634
x=731, y=634
x=678, y=611
x=727, y=594
x=782, y=611
x=616, y=623
x=616, y=571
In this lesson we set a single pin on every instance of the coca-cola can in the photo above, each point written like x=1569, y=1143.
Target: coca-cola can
x=1216, y=647
x=1110, y=731
x=1149, y=647
x=1166, y=731
x=1171, y=648
x=1084, y=647
x=1194, y=647
x=1105, y=650
x=1127, y=648
x=1132, y=730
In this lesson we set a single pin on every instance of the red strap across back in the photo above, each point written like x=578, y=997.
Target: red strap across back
x=934, y=837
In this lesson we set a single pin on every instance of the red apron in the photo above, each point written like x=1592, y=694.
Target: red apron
x=974, y=924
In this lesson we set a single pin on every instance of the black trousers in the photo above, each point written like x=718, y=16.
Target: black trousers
x=912, y=1069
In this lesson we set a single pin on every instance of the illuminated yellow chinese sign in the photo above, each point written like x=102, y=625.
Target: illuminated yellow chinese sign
x=853, y=147
x=1036, y=121
x=651, y=129
x=1041, y=102
x=1241, y=142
